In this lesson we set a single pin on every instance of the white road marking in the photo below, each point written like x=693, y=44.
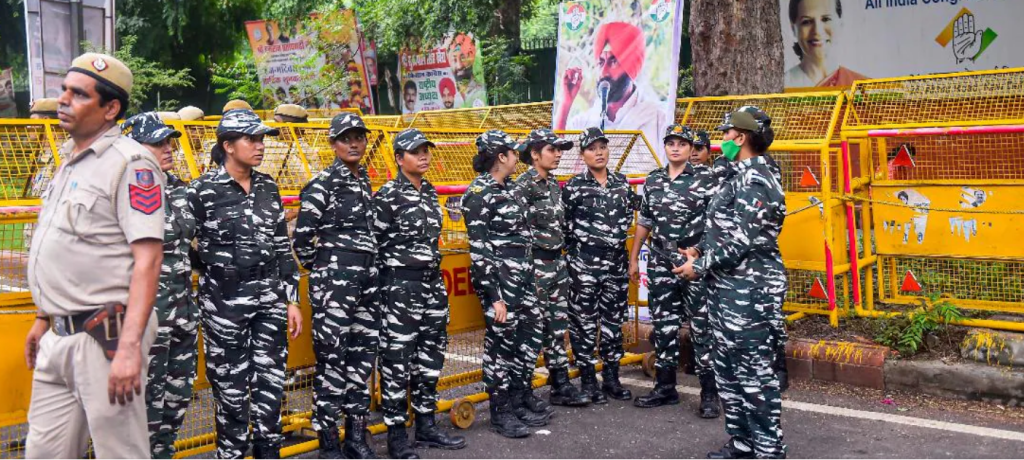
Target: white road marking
x=866, y=415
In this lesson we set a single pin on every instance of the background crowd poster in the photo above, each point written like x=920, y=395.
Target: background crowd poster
x=8, y=109
x=617, y=66
x=448, y=76
x=281, y=54
x=831, y=43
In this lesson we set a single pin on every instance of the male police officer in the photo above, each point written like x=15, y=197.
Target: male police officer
x=93, y=270
x=413, y=340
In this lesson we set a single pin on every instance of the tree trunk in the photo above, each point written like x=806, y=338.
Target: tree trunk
x=737, y=47
x=506, y=21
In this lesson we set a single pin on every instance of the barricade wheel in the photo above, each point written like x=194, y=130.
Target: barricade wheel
x=648, y=364
x=463, y=413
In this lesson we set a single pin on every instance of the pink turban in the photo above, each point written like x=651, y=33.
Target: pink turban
x=627, y=44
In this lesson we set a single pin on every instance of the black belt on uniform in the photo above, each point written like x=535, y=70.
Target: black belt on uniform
x=601, y=251
x=346, y=258
x=414, y=274
x=243, y=274
x=103, y=324
x=511, y=251
x=546, y=254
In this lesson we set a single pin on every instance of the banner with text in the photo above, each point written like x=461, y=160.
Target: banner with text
x=834, y=42
x=617, y=66
x=448, y=76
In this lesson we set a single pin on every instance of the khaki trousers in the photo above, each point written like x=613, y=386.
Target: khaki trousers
x=70, y=402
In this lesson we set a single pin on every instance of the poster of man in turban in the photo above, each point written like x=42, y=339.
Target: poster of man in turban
x=617, y=65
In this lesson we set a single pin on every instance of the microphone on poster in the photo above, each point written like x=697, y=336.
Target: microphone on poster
x=602, y=89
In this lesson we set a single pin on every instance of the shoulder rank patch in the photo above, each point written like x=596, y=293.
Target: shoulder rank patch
x=145, y=200
x=144, y=178
x=476, y=189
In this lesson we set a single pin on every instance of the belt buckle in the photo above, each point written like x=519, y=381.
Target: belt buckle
x=60, y=326
x=119, y=320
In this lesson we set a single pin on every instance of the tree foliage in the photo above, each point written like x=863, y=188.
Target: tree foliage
x=238, y=80
x=148, y=78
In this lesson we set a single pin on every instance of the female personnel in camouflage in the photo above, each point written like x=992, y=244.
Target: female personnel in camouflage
x=502, y=271
x=599, y=206
x=739, y=254
x=672, y=214
x=248, y=287
x=334, y=241
x=172, y=358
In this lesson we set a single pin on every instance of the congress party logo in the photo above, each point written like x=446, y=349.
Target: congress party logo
x=968, y=39
x=575, y=15
x=660, y=10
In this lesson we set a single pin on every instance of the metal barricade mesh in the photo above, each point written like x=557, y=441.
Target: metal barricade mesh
x=937, y=100
x=801, y=171
x=453, y=228
x=978, y=284
x=200, y=137
x=15, y=239
x=384, y=121
x=283, y=160
x=26, y=160
x=12, y=438
x=796, y=117
x=802, y=283
x=952, y=158
x=517, y=116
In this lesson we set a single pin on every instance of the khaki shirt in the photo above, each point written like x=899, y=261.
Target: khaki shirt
x=98, y=203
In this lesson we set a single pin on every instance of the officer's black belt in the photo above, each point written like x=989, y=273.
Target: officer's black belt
x=244, y=274
x=546, y=254
x=601, y=251
x=414, y=274
x=103, y=324
x=512, y=251
x=346, y=258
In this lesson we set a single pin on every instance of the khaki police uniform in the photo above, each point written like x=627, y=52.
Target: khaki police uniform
x=96, y=205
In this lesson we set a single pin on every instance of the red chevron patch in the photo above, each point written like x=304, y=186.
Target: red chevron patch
x=146, y=201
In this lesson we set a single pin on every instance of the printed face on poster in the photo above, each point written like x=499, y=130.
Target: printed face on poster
x=835, y=42
x=617, y=66
x=448, y=76
x=8, y=109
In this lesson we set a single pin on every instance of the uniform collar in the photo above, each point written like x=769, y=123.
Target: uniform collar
x=535, y=175
x=403, y=182
x=750, y=163
x=688, y=169
x=173, y=180
x=222, y=176
x=342, y=169
x=612, y=176
x=98, y=147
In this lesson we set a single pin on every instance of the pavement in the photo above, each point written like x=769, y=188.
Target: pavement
x=819, y=421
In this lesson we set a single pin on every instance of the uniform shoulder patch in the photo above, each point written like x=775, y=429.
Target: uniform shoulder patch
x=144, y=178
x=145, y=200
x=476, y=189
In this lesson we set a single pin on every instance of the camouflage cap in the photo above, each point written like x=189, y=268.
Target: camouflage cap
x=591, y=135
x=747, y=117
x=345, y=121
x=236, y=104
x=191, y=113
x=547, y=136
x=105, y=68
x=44, y=106
x=702, y=139
x=680, y=131
x=498, y=141
x=409, y=139
x=245, y=122
x=148, y=128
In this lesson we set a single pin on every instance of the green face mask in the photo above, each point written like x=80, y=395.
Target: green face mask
x=730, y=150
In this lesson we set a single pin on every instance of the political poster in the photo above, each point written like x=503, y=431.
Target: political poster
x=617, y=66
x=286, y=58
x=831, y=43
x=8, y=109
x=370, y=60
x=448, y=76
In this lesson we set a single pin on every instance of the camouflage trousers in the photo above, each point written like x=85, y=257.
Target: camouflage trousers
x=741, y=318
x=245, y=340
x=412, y=343
x=674, y=301
x=502, y=340
x=552, y=278
x=346, y=327
x=172, y=371
x=600, y=292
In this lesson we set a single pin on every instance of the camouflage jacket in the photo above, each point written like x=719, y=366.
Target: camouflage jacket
x=336, y=213
x=239, y=229
x=546, y=213
x=598, y=216
x=743, y=225
x=673, y=209
x=495, y=218
x=407, y=223
x=179, y=229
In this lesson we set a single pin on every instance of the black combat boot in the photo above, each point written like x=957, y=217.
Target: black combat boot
x=729, y=450
x=330, y=446
x=503, y=421
x=430, y=436
x=563, y=393
x=523, y=413
x=611, y=385
x=588, y=384
x=355, y=438
x=266, y=451
x=664, y=392
x=398, y=443
x=535, y=404
x=709, y=407
x=780, y=368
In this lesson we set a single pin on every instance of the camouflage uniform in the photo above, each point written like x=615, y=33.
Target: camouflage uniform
x=597, y=221
x=172, y=358
x=414, y=300
x=334, y=241
x=740, y=255
x=248, y=278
